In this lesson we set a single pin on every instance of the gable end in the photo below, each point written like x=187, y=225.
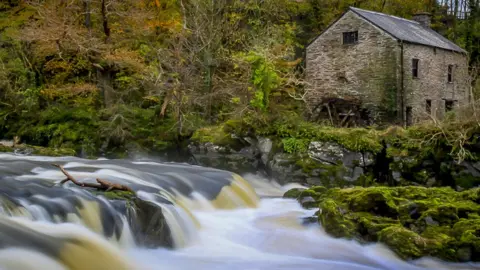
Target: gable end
x=341, y=18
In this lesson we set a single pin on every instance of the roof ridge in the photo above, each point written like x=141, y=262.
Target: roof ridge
x=384, y=14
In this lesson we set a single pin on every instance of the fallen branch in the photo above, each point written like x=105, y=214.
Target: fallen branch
x=101, y=184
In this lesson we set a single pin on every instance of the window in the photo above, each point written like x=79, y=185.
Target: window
x=449, y=105
x=415, y=68
x=450, y=73
x=428, y=106
x=350, y=37
x=409, y=116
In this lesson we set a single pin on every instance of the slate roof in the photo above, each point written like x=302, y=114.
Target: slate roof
x=407, y=30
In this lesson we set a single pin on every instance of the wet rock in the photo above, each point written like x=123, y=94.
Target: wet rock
x=464, y=254
x=309, y=220
x=283, y=167
x=7, y=143
x=397, y=176
x=148, y=224
x=326, y=152
x=242, y=160
x=308, y=202
x=431, y=182
x=357, y=172
x=429, y=220
x=314, y=181
x=265, y=145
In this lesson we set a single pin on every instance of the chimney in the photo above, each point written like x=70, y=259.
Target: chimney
x=424, y=18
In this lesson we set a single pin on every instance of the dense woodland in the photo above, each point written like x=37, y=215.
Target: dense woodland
x=106, y=75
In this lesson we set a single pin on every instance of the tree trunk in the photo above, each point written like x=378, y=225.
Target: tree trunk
x=86, y=5
x=104, y=77
x=106, y=28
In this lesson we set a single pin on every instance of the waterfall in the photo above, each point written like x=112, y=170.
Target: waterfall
x=67, y=217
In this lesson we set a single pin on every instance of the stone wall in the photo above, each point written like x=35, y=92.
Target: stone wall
x=367, y=70
x=432, y=82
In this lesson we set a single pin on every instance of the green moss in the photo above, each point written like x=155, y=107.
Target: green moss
x=412, y=221
x=40, y=151
x=307, y=164
x=319, y=189
x=215, y=135
x=4, y=148
x=293, y=193
x=403, y=241
x=377, y=200
x=370, y=225
x=54, y=152
x=334, y=220
x=117, y=195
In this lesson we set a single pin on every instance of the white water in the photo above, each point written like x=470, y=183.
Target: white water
x=273, y=237
x=270, y=237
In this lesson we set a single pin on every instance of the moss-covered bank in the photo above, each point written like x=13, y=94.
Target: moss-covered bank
x=413, y=221
x=430, y=154
x=38, y=150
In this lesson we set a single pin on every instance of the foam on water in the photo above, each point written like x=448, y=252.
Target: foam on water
x=216, y=220
x=272, y=237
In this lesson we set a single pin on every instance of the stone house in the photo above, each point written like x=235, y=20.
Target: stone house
x=396, y=70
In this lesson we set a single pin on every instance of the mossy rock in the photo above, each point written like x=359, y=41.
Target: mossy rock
x=116, y=194
x=370, y=225
x=215, y=135
x=375, y=200
x=413, y=221
x=53, y=152
x=293, y=193
x=402, y=241
x=40, y=151
x=335, y=221
x=5, y=149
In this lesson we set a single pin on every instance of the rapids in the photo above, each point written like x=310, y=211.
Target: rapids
x=182, y=217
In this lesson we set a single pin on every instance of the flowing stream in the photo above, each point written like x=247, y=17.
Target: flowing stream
x=182, y=217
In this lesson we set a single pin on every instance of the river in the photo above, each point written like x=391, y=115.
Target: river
x=213, y=220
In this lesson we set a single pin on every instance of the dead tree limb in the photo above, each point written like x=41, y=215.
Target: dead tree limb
x=101, y=184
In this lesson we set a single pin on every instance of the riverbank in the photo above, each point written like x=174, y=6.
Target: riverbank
x=24, y=149
x=291, y=150
x=414, y=222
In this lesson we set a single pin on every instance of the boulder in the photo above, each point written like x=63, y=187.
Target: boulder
x=325, y=152
x=329, y=153
x=265, y=146
x=148, y=224
x=412, y=221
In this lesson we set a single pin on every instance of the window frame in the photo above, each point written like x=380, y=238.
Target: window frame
x=415, y=67
x=351, y=37
x=428, y=106
x=449, y=105
x=450, y=73
x=409, y=116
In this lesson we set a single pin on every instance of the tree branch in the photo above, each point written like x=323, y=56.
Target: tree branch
x=101, y=184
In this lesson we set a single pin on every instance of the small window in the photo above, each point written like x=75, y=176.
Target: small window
x=450, y=73
x=428, y=106
x=350, y=37
x=409, y=116
x=449, y=105
x=415, y=68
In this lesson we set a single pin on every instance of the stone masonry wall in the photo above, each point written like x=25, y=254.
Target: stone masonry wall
x=367, y=70
x=432, y=82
